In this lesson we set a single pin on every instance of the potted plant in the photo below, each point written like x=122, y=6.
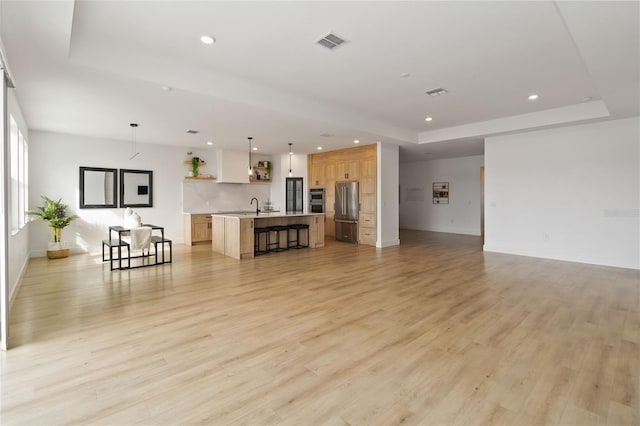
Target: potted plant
x=54, y=212
x=268, y=166
x=195, y=164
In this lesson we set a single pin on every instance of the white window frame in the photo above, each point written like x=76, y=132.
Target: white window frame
x=19, y=189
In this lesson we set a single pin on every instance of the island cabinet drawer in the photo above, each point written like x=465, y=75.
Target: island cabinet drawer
x=200, y=218
x=367, y=220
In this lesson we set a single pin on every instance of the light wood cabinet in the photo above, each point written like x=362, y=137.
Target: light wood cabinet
x=315, y=176
x=368, y=203
x=359, y=164
x=367, y=236
x=367, y=230
x=246, y=238
x=330, y=172
x=347, y=170
x=218, y=243
x=367, y=185
x=197, y=228
x=330, y=225
x=318, y=229
x=368, y=220
x=368, y=168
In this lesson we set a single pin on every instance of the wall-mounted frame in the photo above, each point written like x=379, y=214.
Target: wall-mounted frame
x=440, y=192
x=98, y=188
x=136, y=188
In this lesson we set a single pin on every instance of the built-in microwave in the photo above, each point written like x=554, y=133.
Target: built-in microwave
x=316, y=200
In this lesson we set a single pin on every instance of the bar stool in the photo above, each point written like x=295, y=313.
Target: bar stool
x=296, y=243
x=276, y=245
x=256, y=241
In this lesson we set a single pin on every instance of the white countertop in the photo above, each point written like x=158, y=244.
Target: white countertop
x=264, y=215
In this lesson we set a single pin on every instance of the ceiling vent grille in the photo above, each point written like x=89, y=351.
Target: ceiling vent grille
x=436, y=92
x=331, y=41
x=193, y=132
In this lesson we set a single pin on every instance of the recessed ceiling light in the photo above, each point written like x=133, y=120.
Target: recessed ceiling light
x=405, y=74
x=533, y=97
x=255, y=148
x=207, y=39
x=209, y=143
x=166, y=88
x=319, y=148
x=356, y=141
x=587, y=99
x=428, y=119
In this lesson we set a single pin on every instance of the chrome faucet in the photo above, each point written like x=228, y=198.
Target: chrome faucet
x=257, y=205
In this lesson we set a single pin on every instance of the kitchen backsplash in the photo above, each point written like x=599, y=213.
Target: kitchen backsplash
x=209, y=197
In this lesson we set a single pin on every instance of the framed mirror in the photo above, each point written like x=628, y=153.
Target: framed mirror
x=98, y=188
x=136, y=188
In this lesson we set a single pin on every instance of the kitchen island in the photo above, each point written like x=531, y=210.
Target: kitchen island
x=233, y=233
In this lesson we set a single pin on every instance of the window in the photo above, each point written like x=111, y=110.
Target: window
x=19, y=177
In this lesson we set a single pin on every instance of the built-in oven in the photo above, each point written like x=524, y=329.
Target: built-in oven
x=316, y=200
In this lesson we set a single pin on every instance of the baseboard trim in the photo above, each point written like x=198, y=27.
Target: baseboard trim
x=18, y=283
x=388, y=243
x=528, y=252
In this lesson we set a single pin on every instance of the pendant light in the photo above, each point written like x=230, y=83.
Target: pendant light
x=290, y=155
x=250, y=167
x=134, y=152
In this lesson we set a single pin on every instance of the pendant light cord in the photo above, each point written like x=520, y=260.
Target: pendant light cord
x=134, y=146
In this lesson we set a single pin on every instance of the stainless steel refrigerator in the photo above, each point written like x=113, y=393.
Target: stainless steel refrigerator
x=346, y=211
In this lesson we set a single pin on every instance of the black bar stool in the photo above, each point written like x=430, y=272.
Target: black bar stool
x=296, y=243
x=256, y=241
x=275, y=246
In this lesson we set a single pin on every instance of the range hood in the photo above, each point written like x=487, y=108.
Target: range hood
x=232, y=166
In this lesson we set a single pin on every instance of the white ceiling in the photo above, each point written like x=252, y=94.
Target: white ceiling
x=93, y=67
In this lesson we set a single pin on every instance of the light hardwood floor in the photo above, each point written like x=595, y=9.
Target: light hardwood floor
x=432, y=332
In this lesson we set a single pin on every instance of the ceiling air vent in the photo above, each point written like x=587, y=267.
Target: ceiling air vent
x=193, y=132
x=331, y=41
x=436, y=92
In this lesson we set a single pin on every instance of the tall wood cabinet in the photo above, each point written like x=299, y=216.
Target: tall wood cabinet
x=353, y=164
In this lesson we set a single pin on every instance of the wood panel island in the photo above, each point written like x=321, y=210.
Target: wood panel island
x=233, y=233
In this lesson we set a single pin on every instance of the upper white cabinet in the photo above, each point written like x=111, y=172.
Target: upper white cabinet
x=233, y=166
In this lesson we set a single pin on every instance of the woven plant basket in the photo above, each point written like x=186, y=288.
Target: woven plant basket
x=58, y=254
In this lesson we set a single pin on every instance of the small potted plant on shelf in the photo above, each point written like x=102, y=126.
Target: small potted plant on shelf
x=268, y=166
x=195, y=165
x=54, y=212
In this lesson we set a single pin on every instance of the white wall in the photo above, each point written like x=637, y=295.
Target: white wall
x=54, y=161
x=299, y=168
x=570, y=193
x=206, y=196
x=388, y=228
x=54, y=171
x=210, y=197
x=461, y=215
x=18, y=242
